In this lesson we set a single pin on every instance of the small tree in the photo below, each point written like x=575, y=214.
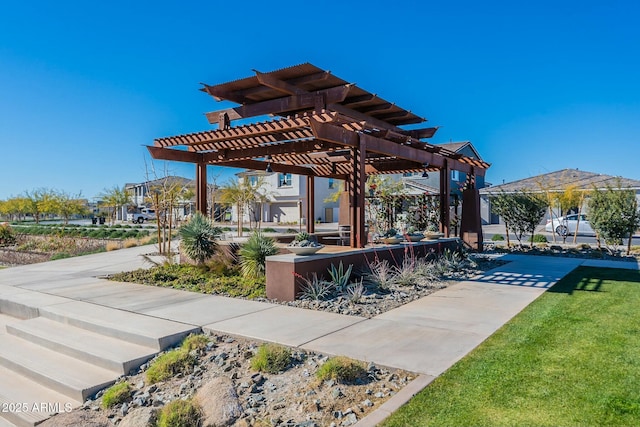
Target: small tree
x=521, y=211
x=114, y=198
x=68, y=205
x=198, y=238
x=613, y=213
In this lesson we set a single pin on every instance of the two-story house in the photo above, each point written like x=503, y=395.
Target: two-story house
x=285, y=198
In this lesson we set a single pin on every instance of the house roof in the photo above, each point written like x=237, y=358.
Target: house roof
x=559, y=180
x=457, y=147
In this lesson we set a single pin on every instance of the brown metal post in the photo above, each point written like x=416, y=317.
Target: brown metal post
x=311, y=224
x=356, y=197
x=445, y=189
x=471, y=223
x=201, y=187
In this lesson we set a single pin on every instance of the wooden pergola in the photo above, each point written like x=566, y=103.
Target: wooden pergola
x=321, y=126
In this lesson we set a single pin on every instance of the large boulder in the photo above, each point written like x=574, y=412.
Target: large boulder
x=78, y=418
x=139, y=417
x=219, y=402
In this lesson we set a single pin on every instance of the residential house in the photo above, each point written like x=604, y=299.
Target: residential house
x=285, y=199
x=142, y=194
x=556, y=181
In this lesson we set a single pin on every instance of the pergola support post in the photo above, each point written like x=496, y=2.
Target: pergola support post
x=445, y=189
x=358, y=238
x=201, y=187
x=471, y=221
x=311, y=195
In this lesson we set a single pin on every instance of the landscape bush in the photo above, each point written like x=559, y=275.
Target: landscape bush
x=116, y=394
x=341, y=369
x=538, y=238
x=198, y=238
x=7, y=236
x=168, y=364
x=271, y=358
x=253, y=255
x=180, y=413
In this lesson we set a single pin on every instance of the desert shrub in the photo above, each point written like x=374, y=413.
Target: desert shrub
x=112, y=246
x=538, y=238
x=116, y=394
x=355, y=291
x=198, y=238
x=253, y=255
x=7, y=236
x=195, y=342
x=380, y=275
x=130, y=243
x=497, y=238
x=60, y=255
x=269, y=230
x=180, y=413
x=314, y=287
x=341, y=369
x=271, y=358
x=169, y=364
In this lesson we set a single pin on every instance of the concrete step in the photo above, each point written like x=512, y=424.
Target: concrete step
x=123, y=325
x=6, y=423
x=25, y=403
x=61, y=373
x=99, y=350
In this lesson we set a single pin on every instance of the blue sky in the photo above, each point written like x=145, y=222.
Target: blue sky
x=535, y=86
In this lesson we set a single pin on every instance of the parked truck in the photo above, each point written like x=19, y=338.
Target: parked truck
x=145, y=214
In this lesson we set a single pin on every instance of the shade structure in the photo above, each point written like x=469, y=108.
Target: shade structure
x=321, y=126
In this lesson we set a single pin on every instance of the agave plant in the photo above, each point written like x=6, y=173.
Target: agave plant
x=340, y=277
x=253, y=255
x=198, y=238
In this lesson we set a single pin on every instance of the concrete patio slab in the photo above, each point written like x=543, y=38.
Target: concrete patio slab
x=285, y=325
x=420, y=349
x=464, y=307
x=206, y=309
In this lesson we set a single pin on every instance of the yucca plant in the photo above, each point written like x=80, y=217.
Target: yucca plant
x=253, y=255
x=198, y=238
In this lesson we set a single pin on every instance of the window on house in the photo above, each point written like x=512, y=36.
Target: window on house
x=284, y=180
x=455, y=175
x=331, y=184
x=253, y=181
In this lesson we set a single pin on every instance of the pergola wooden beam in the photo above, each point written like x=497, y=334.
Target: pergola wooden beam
x=309, y=146
x=328, y=132
x=262, y=165
x=160, y=153
x=285, y=104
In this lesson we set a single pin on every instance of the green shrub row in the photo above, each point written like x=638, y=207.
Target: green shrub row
x=94, y=233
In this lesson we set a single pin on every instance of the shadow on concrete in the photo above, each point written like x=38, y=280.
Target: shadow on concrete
x=531, y=280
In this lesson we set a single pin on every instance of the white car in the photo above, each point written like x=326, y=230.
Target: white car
x=566, y=225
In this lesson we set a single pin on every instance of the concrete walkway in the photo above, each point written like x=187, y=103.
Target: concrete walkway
x=426, y=336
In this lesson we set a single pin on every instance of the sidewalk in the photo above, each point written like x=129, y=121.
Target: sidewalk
x=426, y=336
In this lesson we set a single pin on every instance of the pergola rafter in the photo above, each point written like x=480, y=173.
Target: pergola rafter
x=327, y=128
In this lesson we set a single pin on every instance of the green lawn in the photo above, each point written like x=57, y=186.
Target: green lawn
x=572, y=358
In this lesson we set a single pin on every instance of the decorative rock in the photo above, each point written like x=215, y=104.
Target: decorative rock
x=78, y=418
x=124, y=409
x=139, y=417
x=367, y=403
x=219, y=402
x=350, y=420
x=336, y=393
